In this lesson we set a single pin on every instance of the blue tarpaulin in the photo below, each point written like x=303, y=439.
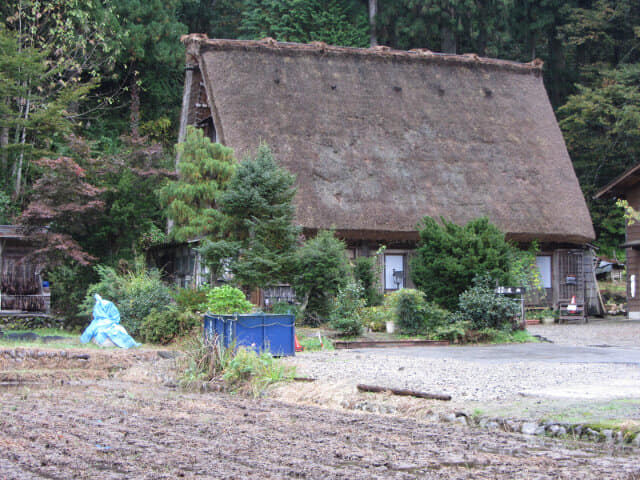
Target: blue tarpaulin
x=106, y=326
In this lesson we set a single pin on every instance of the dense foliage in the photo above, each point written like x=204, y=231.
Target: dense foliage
x=484, y=309
x=321, y=270
x=346, y=312
x=226, y=300
x=450, y=256
x=136, y=293
x=261, y=236
x=366, y=272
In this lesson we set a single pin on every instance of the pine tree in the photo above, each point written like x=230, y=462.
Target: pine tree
x=258, y=206
x=192, y=200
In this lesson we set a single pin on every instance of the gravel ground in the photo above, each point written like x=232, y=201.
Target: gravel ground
x=618, y=332
x=522, y=389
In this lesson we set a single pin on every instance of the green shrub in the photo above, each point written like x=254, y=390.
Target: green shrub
x=162, y=326
x=321, y=269
x=435, y=317
x=346, y=311
x=408, y=307
x=284, y=308
x=135, y=294
x=485, y=309
x=191, y=299
x=365, y=272
x=226, y=300
x=376, y=318
x=453, y=330
x=450, y=256
x=68, y=285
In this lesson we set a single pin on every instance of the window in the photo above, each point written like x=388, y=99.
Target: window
x=544, y=267
x=393, y=272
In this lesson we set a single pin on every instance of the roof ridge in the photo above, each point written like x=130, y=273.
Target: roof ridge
x=198, y=40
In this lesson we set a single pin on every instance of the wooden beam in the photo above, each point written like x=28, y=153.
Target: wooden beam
x=407, y=393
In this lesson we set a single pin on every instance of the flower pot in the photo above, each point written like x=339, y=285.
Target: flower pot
x=391, y=327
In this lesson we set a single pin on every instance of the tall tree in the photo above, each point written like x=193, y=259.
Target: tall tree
x=601, y=126
x=336, y=22
x=258, y=205
x=151, y=58
x=63, y=208
x=192, y=200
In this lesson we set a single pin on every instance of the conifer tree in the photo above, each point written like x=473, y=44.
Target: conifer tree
x=192, y=200
x=260, y=233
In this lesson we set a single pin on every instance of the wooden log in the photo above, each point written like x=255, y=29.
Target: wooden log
x=407, y=393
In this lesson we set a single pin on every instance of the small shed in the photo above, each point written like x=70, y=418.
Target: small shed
x=21, y=286
x=627, y=186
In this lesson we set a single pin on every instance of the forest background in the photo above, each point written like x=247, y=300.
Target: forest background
x=90, y=93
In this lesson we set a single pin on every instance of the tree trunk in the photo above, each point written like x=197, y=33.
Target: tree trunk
x=23, y=138
x=447, y=39
x=373, y=10
x=135, y=107
x=4, y=143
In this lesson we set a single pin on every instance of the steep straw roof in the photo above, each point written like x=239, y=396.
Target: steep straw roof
x=380, y=138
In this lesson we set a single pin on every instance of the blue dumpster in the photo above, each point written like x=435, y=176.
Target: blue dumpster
x=260, y=331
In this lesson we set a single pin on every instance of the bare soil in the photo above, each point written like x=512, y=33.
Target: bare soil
x=116, y=414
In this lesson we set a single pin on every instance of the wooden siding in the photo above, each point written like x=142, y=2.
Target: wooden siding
x=633, y=255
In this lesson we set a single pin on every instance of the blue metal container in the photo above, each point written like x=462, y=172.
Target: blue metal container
x=260, y=331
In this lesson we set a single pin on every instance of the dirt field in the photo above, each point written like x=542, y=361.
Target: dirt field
x=111, y=415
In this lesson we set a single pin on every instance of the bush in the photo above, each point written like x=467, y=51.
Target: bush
x=191, y=299
x=407, y=306
x=376, y=318
x=68, y=289
x=135, y=294
x=450, y=256
x=453, y=330
x=226, y=300
x=322, y=269
x=435, y=317
x=484, y=309
x=365, y=273
x=162, y=326
x=346, y=311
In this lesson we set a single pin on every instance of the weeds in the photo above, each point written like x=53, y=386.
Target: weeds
x=240, y=369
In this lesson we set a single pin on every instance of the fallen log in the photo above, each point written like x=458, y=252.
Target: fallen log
x=304, y=379
x=407, y=393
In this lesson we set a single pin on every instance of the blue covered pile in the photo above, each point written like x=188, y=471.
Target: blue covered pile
x=106, y=326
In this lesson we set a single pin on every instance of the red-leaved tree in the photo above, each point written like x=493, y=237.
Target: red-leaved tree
x=62, y=209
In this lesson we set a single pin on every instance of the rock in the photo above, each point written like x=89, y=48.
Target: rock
x=492, y=425
x=511, y=426
x=448, y=417
x=591, y=434
x=529, y=428
x=619, y=438
x=461, y=420
x=539, y=430
x=562, y=431
x=636, y=441
x=577, y=430
x=553, y=429
x=608, y=435
x=166, y=354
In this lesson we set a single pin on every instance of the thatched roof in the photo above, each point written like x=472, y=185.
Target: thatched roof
x=380, y=138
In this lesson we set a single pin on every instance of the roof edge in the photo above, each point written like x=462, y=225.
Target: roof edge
x=197, y=42
x=611, y=187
